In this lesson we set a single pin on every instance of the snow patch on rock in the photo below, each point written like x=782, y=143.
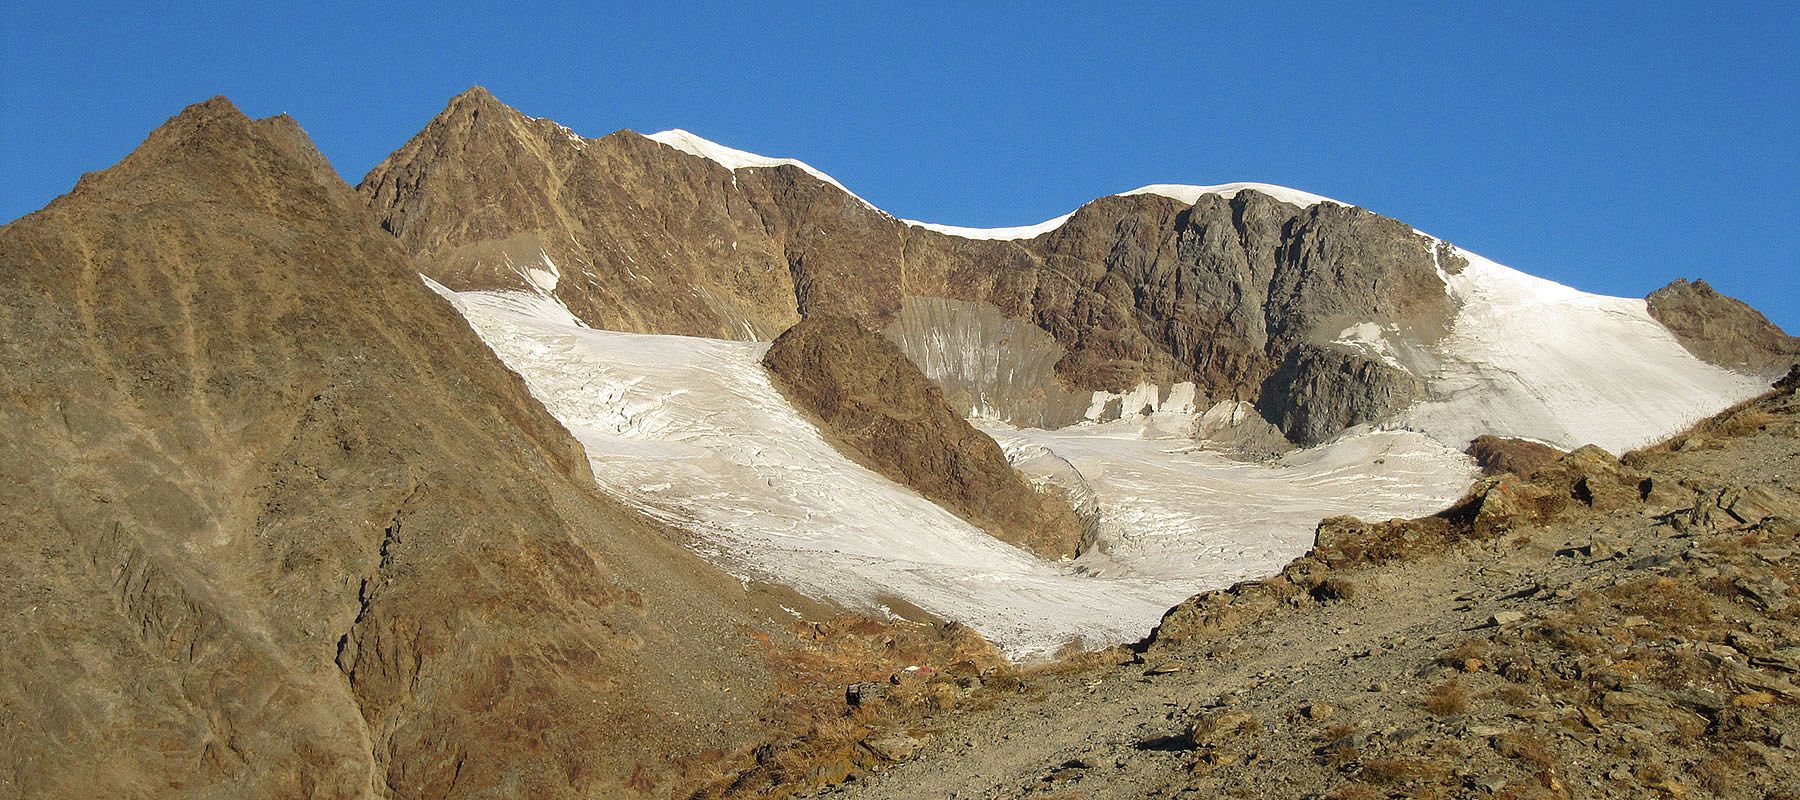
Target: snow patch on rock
x=1192, y=194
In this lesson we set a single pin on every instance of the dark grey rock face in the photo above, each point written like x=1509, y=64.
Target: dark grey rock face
x=1319, y=392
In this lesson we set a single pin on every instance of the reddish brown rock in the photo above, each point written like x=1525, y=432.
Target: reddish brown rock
x=1498, y=454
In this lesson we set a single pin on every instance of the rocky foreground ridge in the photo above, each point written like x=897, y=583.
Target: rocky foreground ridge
x=1596, y=628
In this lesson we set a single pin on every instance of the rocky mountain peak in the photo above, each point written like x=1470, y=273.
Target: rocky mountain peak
x=289, y=500
x=1723, y=330
x=1324, y=315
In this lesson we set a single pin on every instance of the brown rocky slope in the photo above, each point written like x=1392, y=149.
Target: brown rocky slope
x=277, y=524
x=1242, y=295
x=1723, y=330
x=872, y=400
x=1598, y=628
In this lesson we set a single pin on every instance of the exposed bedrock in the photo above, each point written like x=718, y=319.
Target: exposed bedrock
x=988, y=365
x=887, y=415
x=1500, y=454
x=1723, y=330
x=1318, y=392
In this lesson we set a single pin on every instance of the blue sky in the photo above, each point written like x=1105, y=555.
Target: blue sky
x=1612, y=147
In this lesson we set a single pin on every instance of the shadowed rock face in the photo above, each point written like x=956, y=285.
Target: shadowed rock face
x=986, y=363
x=889, y=416
x=1134, y=289
x=278, y=524
x=1723, y=330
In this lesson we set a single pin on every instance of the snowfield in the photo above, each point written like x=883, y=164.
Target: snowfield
x=734, y=159
x=1535, y=359
x=692, y=431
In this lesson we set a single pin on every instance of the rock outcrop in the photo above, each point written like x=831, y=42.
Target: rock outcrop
x=986, y=363
x=277, y=524
x=1723, y=330
x=1318, y=392
x=887, y=415
x=1499, y=454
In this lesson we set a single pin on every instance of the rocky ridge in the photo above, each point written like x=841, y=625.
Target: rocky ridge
x=1241, y=295
x=1723, y=330
x=870, y=398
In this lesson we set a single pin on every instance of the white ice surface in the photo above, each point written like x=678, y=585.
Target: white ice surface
x=1536, y=359
x=692, y=431
x=1172, y=510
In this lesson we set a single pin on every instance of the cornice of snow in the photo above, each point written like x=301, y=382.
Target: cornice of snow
x=1018, y=232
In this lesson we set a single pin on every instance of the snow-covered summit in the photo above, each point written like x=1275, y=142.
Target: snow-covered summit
x=735, y=159
x=1185, y=193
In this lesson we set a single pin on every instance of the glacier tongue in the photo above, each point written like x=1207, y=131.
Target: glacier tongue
x=693, y=432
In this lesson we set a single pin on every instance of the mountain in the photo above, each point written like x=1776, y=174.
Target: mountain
x=1204, y=371
x=278, y=524
x=1322, y=315
x=546, y=466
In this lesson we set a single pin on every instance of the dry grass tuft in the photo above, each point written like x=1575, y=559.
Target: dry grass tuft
x=1448, y=699
x=1387, y=771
